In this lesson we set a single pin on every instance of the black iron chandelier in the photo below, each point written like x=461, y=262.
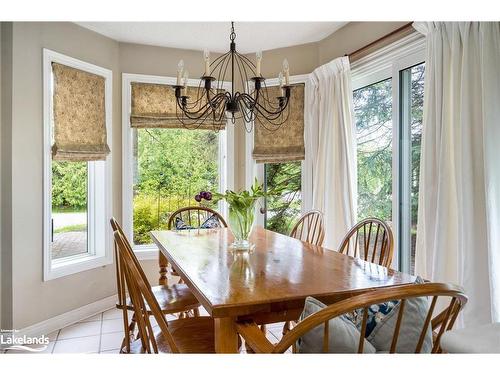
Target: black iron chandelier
x=213, y=105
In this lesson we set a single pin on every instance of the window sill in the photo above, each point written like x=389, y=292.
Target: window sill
x=75, y=264
x=146, y=252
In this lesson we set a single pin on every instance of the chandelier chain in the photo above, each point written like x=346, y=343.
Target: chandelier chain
x=232, y=36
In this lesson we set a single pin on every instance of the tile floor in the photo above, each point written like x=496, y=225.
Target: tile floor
x=103, y=334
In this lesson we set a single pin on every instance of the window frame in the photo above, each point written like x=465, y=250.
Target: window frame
x=388, y=62
x=254, y=169
x=225, y=165
x=99, y=190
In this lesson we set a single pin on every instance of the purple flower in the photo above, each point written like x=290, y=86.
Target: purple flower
x=203, y=194
x=197, y=198
x=208, y=196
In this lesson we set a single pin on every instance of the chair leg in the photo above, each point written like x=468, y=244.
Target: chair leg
x=163, y=264
x=286, y=328
x=248, y=348
x=129, y=336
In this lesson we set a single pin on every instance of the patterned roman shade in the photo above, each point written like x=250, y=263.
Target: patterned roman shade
x=154, y=106
x=79, y=115
x=287, y=142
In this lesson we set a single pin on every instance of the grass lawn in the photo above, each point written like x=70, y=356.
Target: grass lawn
x=60, y=210
x=72, y=228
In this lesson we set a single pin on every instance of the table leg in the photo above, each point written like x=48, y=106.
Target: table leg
x=163, y=263
x=226, y=337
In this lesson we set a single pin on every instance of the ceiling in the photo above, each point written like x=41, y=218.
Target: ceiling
x=250, y=36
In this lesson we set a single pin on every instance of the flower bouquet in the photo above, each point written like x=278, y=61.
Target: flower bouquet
x=241, y=210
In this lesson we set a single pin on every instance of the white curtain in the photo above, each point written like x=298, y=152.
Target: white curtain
x=458, y=236
x=330, y=144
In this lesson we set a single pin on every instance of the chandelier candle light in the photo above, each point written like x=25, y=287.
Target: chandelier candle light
x=213, y=105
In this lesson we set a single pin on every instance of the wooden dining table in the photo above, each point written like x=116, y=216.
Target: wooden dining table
x=267, y=284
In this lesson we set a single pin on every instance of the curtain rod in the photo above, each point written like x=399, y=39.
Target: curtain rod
x=382, y=42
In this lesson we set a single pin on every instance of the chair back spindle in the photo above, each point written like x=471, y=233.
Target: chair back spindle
x=453, y=295
x=310, y=228
x=371, y=240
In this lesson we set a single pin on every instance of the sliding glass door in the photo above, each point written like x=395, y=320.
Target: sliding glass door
x=388, y=105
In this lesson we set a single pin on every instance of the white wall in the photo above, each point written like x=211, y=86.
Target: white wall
x=33, y=299
x=5, y=176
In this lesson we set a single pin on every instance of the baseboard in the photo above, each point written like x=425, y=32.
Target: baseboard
x=68, y=318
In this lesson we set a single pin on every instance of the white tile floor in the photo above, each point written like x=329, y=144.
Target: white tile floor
x=103, y=334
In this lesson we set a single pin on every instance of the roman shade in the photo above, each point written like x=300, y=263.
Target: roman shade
x=79, y=114
x=154, y=106
x=285, y=143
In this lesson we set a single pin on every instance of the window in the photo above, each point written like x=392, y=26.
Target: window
x=373, y=118
x=170, y=167
x=77, y=195
x=69, y=209
x=164, y=168
x=388, y=104
x=283, y=212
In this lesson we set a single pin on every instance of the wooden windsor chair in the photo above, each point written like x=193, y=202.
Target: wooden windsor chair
x=371, y=239
x=175, y=299
x=193, y=335
x=441, y=323
x=310, y=228
x=194, y=217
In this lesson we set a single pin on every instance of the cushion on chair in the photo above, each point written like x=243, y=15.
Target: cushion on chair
x=211, y=222
x=181, y=225
x=382, y=320
x=482, y=339
x=343, y=334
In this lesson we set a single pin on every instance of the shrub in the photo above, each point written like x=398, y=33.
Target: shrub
x=148, y=217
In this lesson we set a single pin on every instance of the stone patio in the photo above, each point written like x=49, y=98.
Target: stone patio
x=68, y=244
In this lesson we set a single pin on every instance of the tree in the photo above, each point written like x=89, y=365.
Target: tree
x=373, y=117
x=283, y=211
x=69, y=185
x=172, y=166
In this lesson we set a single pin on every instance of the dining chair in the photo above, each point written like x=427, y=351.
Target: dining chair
x=189, y=217
x=195, y=217
x=310, y=228
x=172, y=299
x=453, y=296
x=371, y=239
x=192, y=335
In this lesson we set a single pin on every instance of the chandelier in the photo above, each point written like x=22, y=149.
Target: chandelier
x=211, y=104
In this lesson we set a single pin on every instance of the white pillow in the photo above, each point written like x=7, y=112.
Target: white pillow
x=343, y=334
x=414, y=314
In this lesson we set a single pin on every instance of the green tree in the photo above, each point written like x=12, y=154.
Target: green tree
x=373, y=117
x=172, y=166
x=283, y=211
x=69, y=185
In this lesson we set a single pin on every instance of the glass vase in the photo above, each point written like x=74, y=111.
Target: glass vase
x=241, y=222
